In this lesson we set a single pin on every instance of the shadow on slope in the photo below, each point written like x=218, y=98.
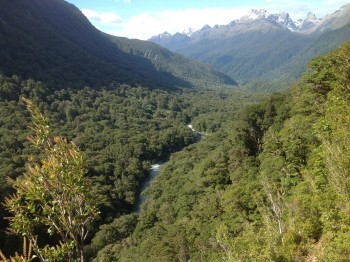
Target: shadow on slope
x=52, y=41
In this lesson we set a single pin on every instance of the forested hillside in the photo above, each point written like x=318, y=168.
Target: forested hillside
x=199, y=74
x=297, y=65
x=125, y=104
x=53, y=42
x=121, y=130
x=272, y=186
x=249, y=55
x=267, y=182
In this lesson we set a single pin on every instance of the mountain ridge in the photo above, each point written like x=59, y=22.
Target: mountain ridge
x=53, y=42
x=255, y=46
x=281, y=19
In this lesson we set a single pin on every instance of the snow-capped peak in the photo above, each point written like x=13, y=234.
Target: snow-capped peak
x=165, y=34
x=312, y=17
x=308, y=23
x=189, y=31
x=254, y=14
x=201, y=31
x=204, y=28
x=282, y=19
x=161, y=36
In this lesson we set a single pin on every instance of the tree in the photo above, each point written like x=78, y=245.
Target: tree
x=54, y=195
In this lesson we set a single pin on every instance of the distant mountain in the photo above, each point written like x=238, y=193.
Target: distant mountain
x=52, y=41
x=309, y=23
x=172, y=42
x=260, y=44
x=336, y=20
x=254, y=20
x=166, y=61
x=281, y=19
x=296, y=66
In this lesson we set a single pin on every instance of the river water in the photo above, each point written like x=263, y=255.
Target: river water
x=153, y=172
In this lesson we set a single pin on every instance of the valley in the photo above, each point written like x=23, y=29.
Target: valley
x=247, y=145
x=154, y=171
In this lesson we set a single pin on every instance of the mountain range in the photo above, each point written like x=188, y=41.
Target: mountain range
x=52, y=41
x=261, y=45
x=270, y=181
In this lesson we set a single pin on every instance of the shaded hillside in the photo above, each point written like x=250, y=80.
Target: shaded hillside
x=52, y=41
x=324, y=43
x=249, y=55
x=166, y=61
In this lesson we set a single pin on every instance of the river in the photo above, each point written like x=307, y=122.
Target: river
x=154, y=171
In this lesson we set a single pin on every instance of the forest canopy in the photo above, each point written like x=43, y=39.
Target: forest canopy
x=271, y=186
x=268, y=181
x=120, y=130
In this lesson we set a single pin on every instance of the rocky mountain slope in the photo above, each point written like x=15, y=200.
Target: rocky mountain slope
x=259, y=44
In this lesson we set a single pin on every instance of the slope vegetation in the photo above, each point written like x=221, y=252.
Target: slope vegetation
x=249, y=55
x=52, y=41
x=274, y=186
x=165, y=61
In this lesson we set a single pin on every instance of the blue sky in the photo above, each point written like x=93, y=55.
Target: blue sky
x=144, y=18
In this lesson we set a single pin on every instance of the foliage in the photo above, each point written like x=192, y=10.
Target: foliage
x=270, y=186
x=267, y=183
x=53, y=193
x=120, y=131
x=276, y=172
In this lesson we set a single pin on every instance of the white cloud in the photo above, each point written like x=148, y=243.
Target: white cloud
x=329, y=6
x=103, y=18
x=147, y=24
x=299, y=8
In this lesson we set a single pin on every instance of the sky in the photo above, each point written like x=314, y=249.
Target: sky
x=142, y=19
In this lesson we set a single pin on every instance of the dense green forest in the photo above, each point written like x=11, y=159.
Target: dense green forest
x=269, y=180
x=271, y=186
x=120, y=129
